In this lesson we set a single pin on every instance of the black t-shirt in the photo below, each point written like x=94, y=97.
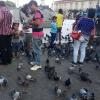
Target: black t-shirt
x=98, y=24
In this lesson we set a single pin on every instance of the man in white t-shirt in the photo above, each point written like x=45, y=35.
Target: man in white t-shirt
x=25, y=18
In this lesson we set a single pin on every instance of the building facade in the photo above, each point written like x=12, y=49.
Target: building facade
x=42, y=2
x=74, y=4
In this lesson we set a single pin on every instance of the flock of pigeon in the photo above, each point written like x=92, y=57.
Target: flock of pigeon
x=50, y=72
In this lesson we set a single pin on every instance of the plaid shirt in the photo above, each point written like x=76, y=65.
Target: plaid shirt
x=5, y=21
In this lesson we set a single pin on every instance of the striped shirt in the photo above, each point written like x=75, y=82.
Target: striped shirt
x=5, y=21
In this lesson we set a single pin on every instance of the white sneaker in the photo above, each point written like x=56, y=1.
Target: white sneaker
x=35, y=67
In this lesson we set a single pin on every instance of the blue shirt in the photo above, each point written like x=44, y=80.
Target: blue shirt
x=86, y=25
x=53, y=27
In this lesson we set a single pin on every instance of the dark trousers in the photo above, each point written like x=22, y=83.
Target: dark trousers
x=53, y=37
x=5, y=49
x=98, y=32
x=59, y=34
x=28, y=46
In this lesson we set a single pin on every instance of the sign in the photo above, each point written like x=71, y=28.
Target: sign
x=67, y=27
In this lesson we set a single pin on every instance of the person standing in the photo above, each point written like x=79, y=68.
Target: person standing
x=59, y=22
x=5, y=34
x=98, y=25
x=15, y=40
x=37, y=33
x=86, y=26
x=53, y=31
x=26, y=17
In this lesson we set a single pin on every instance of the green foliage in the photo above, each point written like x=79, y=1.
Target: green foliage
x=10, y=4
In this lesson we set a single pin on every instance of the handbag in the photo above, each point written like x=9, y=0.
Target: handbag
x=76, y=35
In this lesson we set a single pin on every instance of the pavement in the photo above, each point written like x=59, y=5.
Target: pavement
x=43, y=89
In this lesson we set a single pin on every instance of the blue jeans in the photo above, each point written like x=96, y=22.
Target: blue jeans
x=53, y=37
x=37, y=50
x=79, y=46
x=27, y=46
x=16, y=47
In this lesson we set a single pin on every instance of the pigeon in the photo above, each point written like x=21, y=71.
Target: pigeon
x=29, y=78
x=92, y=96
x=3, y=81
x=68, y=82
x=57, y=90
x=85, y=77
x=19, y=68
x=47, y=61
x=22, y=82
x=83, y=93
x=73, y=97
x=80, y=69
x=58, y=60
x=15, y=95
x=56, y=78
x=71, y=70
x=51, y=72
x=97, y=67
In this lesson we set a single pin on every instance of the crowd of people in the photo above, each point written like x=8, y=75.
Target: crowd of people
x=32, y=20
x=11, y=43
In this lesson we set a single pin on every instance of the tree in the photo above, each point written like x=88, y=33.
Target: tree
x=10, y=4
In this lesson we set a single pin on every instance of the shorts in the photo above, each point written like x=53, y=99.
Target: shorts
x=16, y=47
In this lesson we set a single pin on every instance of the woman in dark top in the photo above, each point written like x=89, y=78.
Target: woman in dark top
x=86, y=26
x=98, y=25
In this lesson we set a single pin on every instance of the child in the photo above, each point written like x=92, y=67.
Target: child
x=15, y=40
x=53, y=31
